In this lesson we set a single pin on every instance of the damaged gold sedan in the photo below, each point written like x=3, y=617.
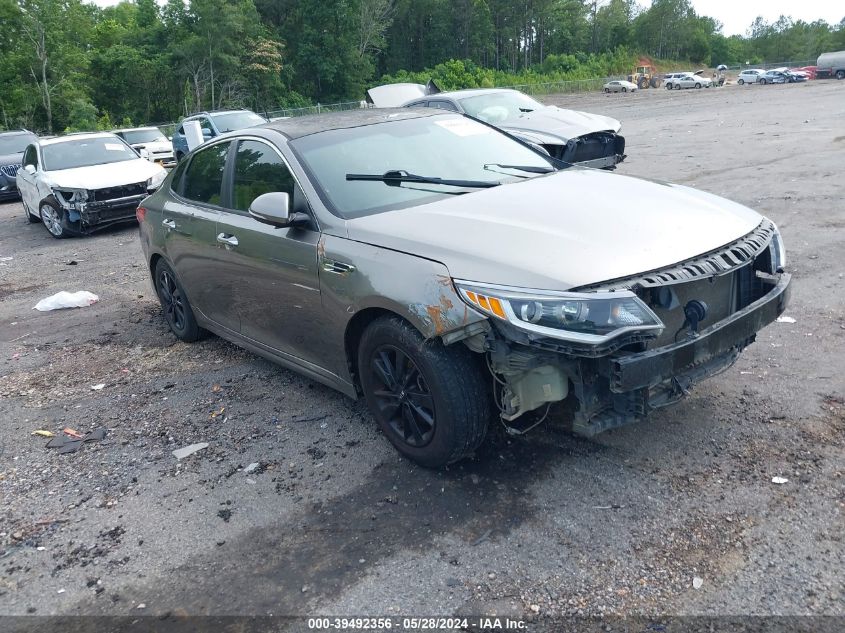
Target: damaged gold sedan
x=449, y=273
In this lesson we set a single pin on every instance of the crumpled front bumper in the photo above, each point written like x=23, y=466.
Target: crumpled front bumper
x=624, y=387
x=650, y=368
x=100, y=214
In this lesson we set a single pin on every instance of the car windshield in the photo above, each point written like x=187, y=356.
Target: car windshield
x=444, y=146
x=85, y=152
x=229, y=121
x=15, y=143
x=133, y=137
x=494, y=107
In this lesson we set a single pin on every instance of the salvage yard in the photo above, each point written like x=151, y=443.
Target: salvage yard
x=299, y=505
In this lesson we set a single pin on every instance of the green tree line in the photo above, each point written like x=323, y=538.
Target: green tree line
x=68, y=64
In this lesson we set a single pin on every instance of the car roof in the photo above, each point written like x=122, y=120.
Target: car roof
x=471, y=92
x=136, y=129
x=16, y=133
x=196, y=115
x=297, y=127
x=75, y=137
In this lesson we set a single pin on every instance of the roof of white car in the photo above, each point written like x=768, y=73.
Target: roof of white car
x=75, y=137
x=136, y=129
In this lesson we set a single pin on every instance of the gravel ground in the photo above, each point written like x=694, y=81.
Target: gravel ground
x=332, y=521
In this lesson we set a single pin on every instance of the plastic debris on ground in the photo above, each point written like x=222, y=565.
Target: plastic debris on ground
x=75, y=441
x=181, y=453
x=785, y=319
x=251, y=468
x=43, y=433
x=64, y=299
x=697, y=582
x=98, y=387
x=779, y=480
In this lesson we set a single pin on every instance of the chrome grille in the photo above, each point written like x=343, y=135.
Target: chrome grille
x=10, y=171
x=718, y=262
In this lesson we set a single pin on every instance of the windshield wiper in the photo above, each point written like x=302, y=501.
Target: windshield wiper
x=529, y=168
x=396, y=177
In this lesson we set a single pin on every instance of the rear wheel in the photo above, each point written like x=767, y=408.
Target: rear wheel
x=624, y=89
x=762, y=82
x=177, y=311
x=431, y=401
x=698, y=85
x=741, y=81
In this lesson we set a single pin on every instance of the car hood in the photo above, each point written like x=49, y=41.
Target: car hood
x=562, y=231
x=559, y=124
x=11, y=159
x=108, y=175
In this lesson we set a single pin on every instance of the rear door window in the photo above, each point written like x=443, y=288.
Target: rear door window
x=203, y=178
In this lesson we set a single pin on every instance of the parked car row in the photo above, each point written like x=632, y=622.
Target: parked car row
x=774, y=76
x=449, y=261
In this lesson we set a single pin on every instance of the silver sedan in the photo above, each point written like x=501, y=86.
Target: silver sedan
x=620, y=86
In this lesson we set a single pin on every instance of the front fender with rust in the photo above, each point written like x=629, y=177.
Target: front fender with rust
x=355, y=276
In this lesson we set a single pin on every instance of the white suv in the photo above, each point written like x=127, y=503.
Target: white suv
x=672, y=78
x=750, y=76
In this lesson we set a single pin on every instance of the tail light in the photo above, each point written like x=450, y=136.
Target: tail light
x=140, y=213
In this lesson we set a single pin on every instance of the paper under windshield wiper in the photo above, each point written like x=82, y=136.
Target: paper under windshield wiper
x=396, y=177
x=531, y=169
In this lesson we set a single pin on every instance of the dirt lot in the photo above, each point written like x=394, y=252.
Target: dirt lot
x=332, y=521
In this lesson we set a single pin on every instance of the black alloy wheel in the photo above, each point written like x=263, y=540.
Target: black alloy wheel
x=177, y=310
x=402, y=396
x=433, y=402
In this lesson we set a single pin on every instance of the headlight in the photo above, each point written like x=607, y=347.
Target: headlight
x=778, y=251
x=590, y=317
x=71, y=197
x=155, y=182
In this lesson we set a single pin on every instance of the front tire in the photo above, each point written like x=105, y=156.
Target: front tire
x=840, y=74
x=762, y=82
x=624, y=89
x=607, y=90
x=177, y=310
x=54, y=218
x=741, y=82
x=431, y=401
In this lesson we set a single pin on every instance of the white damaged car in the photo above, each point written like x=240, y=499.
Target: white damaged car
x=570, y=136
x=79, y=183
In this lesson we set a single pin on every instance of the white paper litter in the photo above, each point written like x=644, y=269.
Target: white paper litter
x=64, y=299
x=785, y=319
x=779, y=480
x=697, y=582
x=99, y=387
x=181, y=453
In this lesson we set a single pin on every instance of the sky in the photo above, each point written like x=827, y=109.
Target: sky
x=737, y=15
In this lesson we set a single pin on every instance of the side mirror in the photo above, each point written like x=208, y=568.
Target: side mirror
x=30, y=169
x=206, y=133
x=274, y=208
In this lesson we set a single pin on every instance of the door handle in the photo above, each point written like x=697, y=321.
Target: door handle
x=228, y=240
x=169, y=224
